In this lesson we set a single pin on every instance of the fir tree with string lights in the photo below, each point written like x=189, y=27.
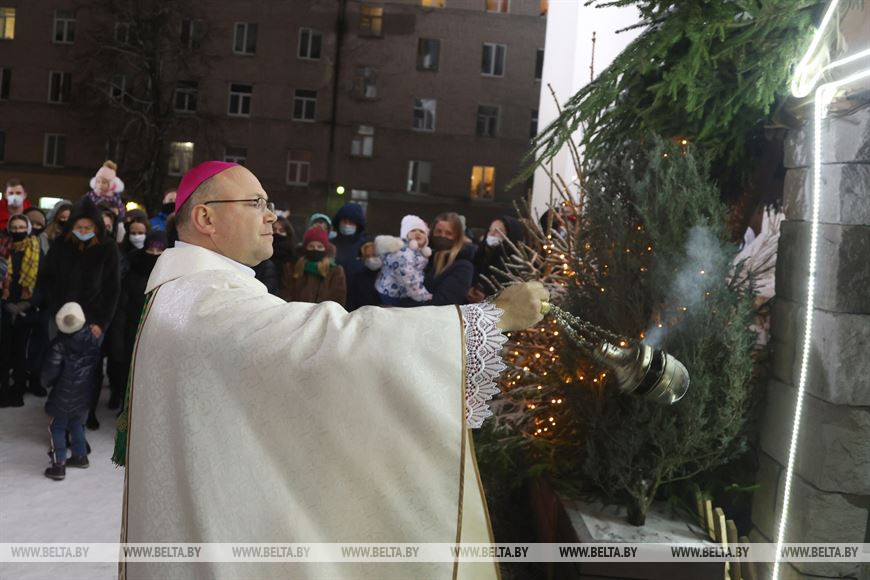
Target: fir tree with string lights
x=650, y=262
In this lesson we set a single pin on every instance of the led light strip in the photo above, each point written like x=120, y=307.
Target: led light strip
x=801, y=87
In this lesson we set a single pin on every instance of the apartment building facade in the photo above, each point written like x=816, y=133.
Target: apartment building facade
x=407, y=106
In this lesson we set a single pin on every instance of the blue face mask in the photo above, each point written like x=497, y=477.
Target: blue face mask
x=347, y=229
x=83, y=237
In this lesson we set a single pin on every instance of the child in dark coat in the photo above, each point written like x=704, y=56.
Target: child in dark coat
x=69, y=372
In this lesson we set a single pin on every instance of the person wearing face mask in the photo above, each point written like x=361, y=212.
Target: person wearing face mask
x=351, y=224
x=132, y=298
x=158, y=222
x=37, y=228
x=83, y=267
x=113, y=347
x=137, y=231
x=106, y=188
x=18, y=314
x=283, y=243
x=315, y=277
x=58, y=219
x=449, y=272
x=14, y=201
x=493, y=254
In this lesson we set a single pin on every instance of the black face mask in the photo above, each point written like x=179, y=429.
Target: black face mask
x=315, y=255
x=440, y=243
x=167, y=208
x=18, y=236
x=36, y=231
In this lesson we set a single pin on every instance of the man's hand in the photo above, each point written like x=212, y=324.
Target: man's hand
x=522, y=305
x=96, y=331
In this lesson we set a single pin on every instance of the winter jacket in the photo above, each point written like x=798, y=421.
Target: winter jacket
x=113, y=200
x=86, y=273
x=310, y=288
x=4, y=212
x=453, y=283
x=68, y=370
x=348, y=248
x=267, y=273
x=403, y=269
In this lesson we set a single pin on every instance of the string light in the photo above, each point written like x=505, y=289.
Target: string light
x=807, y=74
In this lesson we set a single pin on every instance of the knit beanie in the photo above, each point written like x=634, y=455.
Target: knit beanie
x=70, y=318
x=319, y=216
x=316, y=234
x=412, y=222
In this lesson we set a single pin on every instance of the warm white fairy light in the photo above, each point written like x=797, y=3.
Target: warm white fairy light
x=807, y=74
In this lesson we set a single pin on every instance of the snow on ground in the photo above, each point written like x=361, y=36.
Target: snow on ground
x=84, y=507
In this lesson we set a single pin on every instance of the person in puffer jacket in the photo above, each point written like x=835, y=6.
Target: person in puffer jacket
x=404, y=264
x=69, y=372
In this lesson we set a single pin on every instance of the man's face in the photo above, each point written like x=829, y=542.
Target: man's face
x=241, y=231
x=18, y=192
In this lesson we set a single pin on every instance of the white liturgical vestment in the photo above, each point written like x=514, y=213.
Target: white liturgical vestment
x=254, y=420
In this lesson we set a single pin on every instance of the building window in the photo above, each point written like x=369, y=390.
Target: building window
x=117, y=89
x=245, y=38
x=363, y=144
x=5, y=82
x=180, y=157
x=298, y=167
x=419, y=176
x=482, y=182
x=2, y=146
x=539, y=64
x=240, y=100
x=309, y=44
x=493, y=59
x=487, y=120
x=186, y=93
x=424, y=114
x=54, y=153
x=64, y=26
x=122, y=36
x=236, y=155
x=304, y=105
x=433, y=3
x=502, y=6
x=7, y=23
x=533, y=130
x=59, y=87
x=192, y=33
x=367, y=82
x=428, y=54
x=371, y=20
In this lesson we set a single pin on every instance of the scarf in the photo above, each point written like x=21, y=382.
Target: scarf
x=313, y=268
x=29, y=264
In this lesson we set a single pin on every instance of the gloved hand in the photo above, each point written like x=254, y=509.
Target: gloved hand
x=522, y=305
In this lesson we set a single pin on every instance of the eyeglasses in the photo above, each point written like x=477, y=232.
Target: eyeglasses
x=261, y=203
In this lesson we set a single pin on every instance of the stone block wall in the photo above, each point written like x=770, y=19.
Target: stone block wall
x=830, y=500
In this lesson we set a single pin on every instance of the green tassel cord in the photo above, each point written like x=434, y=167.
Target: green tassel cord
x=122, y=423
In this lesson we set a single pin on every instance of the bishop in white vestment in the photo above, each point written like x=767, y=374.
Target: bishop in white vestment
x=254, y=420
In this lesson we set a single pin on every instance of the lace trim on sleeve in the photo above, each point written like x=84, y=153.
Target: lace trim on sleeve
x=483, y=364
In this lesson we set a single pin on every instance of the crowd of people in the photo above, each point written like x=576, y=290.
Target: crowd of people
x=74, y=283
